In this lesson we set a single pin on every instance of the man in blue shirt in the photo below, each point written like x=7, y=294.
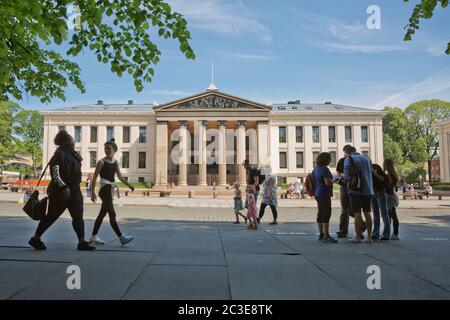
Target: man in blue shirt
x=361, y=196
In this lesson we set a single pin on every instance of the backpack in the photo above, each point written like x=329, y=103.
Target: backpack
x=354, y=181
x=310, y=184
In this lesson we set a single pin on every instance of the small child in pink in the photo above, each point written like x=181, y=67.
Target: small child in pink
x=251, y=208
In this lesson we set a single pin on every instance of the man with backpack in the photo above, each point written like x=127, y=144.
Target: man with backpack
x=346, y=211
x=358, y=177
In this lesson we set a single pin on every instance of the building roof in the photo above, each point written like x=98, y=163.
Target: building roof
x=104, y=108
x=319, y=108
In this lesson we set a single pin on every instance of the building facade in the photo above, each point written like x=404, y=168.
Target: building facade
x=203, y=139
x=444, y=150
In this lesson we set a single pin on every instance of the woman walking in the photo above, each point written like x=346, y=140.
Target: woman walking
x=323, y=191
x=107, y=168
x=269, y=198
x=63, y=191
x=392, y=198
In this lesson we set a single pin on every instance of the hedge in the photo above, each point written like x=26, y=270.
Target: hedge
x=441, y=186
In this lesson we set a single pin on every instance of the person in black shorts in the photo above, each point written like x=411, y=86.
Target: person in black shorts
x=358, y=173
x=346, y=211
x=107, y=168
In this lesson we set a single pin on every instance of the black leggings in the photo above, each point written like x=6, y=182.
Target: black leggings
x=262, y=209
x=394, y=218
x=56, y=208
x=324, y=209
x=107, y=207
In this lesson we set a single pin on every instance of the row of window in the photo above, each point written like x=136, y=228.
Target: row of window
x=300, y=163
x=125, y=161
x=316, y=134
x=109, y=134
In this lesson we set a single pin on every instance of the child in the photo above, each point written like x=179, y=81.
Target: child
x=251, y=209
x=107, y=168
x=238, y=203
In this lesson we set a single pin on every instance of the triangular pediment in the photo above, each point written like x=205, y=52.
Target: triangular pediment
x=212, y=101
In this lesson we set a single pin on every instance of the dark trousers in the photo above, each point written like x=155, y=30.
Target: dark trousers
x=107, y=208
x=346, y=211
x=394, y=218
x=57, y=206
x=262, y=209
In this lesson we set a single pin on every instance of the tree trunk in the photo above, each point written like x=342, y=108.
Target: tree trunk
x=430, y=178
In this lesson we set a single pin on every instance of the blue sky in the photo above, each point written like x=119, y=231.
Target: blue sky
x=276, y=51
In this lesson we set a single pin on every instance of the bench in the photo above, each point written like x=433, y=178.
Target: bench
x=440, y=194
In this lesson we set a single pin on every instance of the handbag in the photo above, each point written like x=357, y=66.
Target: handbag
x=35, y=208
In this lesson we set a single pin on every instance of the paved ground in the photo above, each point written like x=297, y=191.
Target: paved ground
x=227, y=202
x=195, y=253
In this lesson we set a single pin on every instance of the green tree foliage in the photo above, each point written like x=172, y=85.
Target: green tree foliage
x=414, y=132
x=392, y=149
x=423, y=10
x=117, y=31
x=29, y=127
x=8, y=111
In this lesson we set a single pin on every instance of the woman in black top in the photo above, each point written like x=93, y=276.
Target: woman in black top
x=63, y=191
x=107, y=168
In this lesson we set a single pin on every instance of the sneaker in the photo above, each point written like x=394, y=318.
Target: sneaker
x=258, y=220
x=329, y=239
x=85, y=246
x=341, y=234
x=321, y=236
x=125, y=239
x=245, y=220
x=37, y=244
x=354, y=241
x=273, y=223
x=96, y=240
x=384, y=239
x=395, y=237
x=236, y=222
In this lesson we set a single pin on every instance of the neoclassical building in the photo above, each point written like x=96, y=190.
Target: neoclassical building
x=203, y=139
x=444, y=150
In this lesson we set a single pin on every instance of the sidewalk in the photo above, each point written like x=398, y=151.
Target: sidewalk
x=220, y=202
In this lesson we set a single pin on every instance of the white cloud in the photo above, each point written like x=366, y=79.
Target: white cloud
x=436, y=85
x=363, y=48
x=239, y=55
x=170, y=93
x=221, y=17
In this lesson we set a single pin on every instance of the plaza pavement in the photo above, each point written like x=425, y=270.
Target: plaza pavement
x=227, y=202
x=196, y=253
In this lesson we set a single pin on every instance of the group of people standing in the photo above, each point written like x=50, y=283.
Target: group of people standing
x=64, y=192
x=364, y=187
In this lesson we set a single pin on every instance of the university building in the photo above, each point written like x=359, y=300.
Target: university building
x=444, y=151
x=287, y=137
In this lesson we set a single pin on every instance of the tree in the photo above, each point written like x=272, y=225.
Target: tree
x=392, y=150
x=29, y=127
x=422, y=118
x=8, y=111
x=117, y=31
x=395, y=125
x=423, y=10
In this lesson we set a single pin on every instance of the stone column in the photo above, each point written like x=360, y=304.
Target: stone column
x=202, y=153
x=183, y=155
x=222, y=153
x=263, y=144
x=161, y=156
x=241, y=156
